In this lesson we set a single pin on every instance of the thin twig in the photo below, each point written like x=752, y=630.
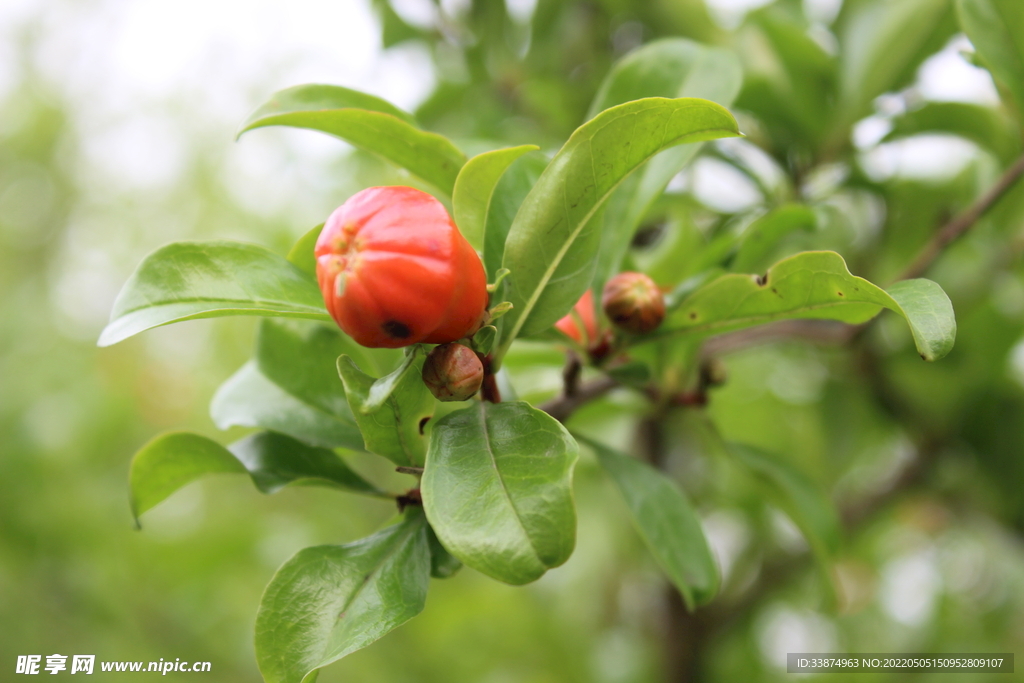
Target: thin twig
x=571, y=373
x=962, y=223
x=563, y=406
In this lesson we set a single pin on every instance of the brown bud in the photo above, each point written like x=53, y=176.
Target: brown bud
x=453, y=372
x=633, y=303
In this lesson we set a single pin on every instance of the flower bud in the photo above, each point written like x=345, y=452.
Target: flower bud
x=633, y=303
x=453, y=372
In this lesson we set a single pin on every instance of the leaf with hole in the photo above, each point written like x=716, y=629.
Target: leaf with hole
x=761, y=237
x=815, y=284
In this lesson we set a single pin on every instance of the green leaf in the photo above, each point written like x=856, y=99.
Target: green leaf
x=882, y=42
x=796, y=495
x=474, y=189
x=483, y=340
x=996, y=28
x=367, y=122
x=671, y=67
x=761, y=237
x=302, y=253
x=331, y=600
x=815, y=284
x=170, y=461
x=382, y=389
x=790, y=82
x=987, y=127
x=275, y=461
x=300, y=357
x=317, y=97
x=394, y=429
x=443, y=565
x=249, y=399
x=497, y=489
x=666, y=521
x=189, y=280
x=929, y=313
x=509, y=194
x=549, y=251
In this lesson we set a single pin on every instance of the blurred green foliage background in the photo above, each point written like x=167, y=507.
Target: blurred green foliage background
x=116, y=121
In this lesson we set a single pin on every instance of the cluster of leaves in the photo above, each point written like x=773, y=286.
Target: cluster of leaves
x=496, y=478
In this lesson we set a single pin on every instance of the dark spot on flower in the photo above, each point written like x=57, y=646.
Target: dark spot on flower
x=397, y=330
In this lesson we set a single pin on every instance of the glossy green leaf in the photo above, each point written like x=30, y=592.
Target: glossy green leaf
x=300, y=356
x=508, y=196
x=249, y=399
x=882, y=42
x=443, y=565
x=331, y=600
x=815, y=284
x=666, y=521
x=497, y=489
x=671, y=67
x=796, y=495
x=189, y=280
x=549, y=251
x=171, y=461
x=761, y=236
x=996, y=28
x=366, y=122
x=275, y=461
x=382, y=389
x=302, y=252
x=394, y=429
x=987, y=127
x=474, y=189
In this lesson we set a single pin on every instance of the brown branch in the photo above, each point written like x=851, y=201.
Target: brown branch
x=962, y=223
x=571, y=373
x=563, y=406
